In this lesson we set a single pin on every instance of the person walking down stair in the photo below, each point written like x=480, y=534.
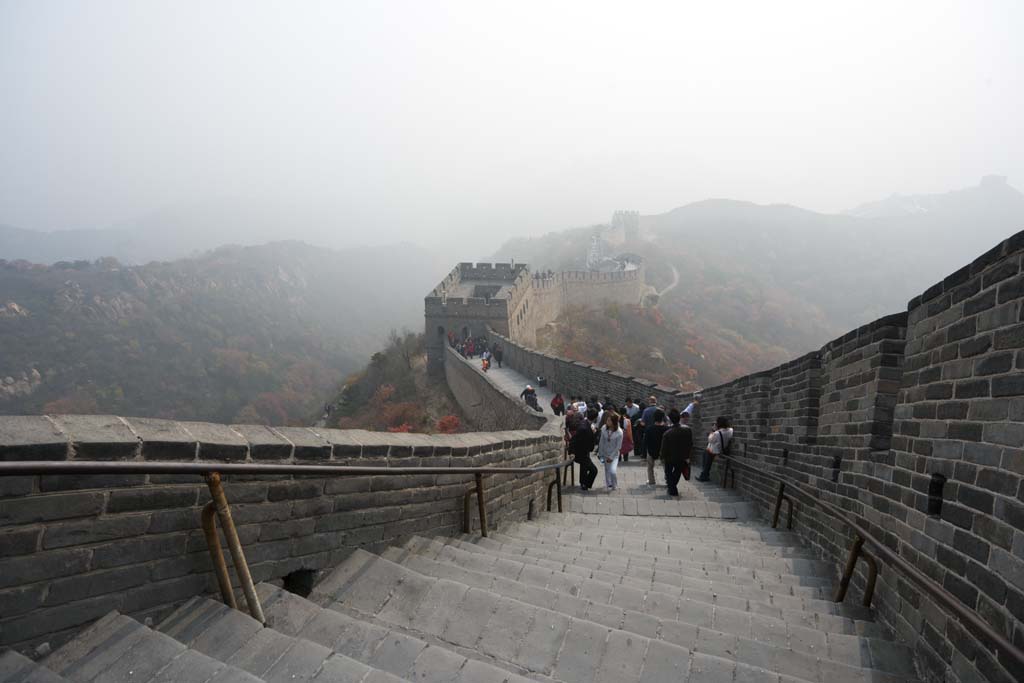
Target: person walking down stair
x=676, y=445
x=581, y=443
x=652, y=442
x=608, y=449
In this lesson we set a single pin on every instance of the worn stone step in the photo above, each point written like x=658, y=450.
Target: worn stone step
x=646, y=565
x=236, y=638
x=643, y=569
x=544, y=642
x=725, y=531
x=708, y=538
x=762, y=600
x=17, y=668
x=659, y=549
x=663, y=616
x=378, y=646
x=119, y=648
x=693, y=549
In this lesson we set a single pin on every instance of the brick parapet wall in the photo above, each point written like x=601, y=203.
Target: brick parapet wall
x=486, y=405
x=75, y=547
x=865, y=421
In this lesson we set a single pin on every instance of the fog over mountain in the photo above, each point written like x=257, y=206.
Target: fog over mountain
x=457, y=125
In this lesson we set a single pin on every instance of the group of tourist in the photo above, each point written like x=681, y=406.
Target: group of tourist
x=650, y=433
x=471, y=347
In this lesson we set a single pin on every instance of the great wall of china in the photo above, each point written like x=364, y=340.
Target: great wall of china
x=913, y=424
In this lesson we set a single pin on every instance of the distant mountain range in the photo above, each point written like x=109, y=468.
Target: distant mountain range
x=760, y=284
x=260, y=334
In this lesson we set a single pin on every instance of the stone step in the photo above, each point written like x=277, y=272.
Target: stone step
x=664, y=616
x=715, y=531
x=234, y=637
x=680, y=530
x=642, y=570
x=16, y=668
x=647, y=565
x=118, y=648
x=648, y=504
x=544, y=642
x=762, y=601
x=693, y=548
x=371, y=644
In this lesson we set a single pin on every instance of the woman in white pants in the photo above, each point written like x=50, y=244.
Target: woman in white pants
x=608, y=449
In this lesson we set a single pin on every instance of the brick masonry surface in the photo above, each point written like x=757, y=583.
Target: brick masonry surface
x=867, y=421
x=72, y=548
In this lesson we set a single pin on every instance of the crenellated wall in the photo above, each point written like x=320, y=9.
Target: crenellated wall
x=72, y=548
x=867, y=420
x=527, y=302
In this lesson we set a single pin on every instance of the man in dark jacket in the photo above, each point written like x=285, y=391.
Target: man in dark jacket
x=676, y=446
x=652, y=442
x=581, y=443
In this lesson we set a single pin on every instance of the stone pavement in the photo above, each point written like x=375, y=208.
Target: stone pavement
x=634, y=496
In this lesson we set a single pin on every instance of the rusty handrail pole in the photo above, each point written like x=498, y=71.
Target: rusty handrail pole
x=481, y=503
x=558, y=488
x=467, y=512
x=234, y=546
x=869, y=589
x=789, y=512
x=778, y=504
x=851, y=564
x=220, y=567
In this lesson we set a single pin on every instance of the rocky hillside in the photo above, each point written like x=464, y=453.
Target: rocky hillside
x=261, y=334
x=758, y=285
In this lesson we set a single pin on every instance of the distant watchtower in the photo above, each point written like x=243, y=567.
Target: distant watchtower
x=468, y=301
x=628, y=222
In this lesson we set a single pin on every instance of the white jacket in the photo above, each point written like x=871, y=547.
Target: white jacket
x=715, y=441
x=610, y=444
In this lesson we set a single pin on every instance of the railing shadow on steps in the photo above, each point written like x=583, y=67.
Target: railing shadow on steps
x=882, y=552
x=219, y=509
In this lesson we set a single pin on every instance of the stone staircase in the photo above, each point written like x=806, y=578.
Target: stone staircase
x=569, y=597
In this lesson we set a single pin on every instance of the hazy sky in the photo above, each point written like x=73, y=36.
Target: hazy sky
x=377, y=121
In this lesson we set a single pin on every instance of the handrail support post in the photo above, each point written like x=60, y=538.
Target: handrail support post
x=227, y=524
x=778, y=504
x=481, y=504
x=220, y=567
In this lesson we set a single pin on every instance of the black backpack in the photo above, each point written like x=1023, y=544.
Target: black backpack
x=726, y=447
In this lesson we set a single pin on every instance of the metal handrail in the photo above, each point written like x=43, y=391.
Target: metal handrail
x=883, y=552
x=218, y=508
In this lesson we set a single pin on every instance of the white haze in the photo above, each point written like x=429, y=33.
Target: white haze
x=374, y=122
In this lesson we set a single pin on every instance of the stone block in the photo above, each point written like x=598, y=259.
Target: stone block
x=98, y=437
x=217, y=442
x=151, y=498
x=20, y=571
x=47, y=508
x=163, y=439
x=31, y=437
x=308, y=445
x=265, y=443
x=19, y=541
x=94, y=531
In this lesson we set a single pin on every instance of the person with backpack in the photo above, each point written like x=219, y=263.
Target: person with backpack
x=676, y=445
x=652, y=442
x=719, y=443
x=608, y=448
x=581, y=443
x=558, y=404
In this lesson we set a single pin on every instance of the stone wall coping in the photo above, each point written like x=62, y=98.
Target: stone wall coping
x=1007, y=247
x=110, y=437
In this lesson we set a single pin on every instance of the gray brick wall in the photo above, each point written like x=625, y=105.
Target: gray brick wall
x=73, y=548
x=866, y=421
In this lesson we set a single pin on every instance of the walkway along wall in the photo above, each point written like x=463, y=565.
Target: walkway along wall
x=870, y=421
x=74, y=548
